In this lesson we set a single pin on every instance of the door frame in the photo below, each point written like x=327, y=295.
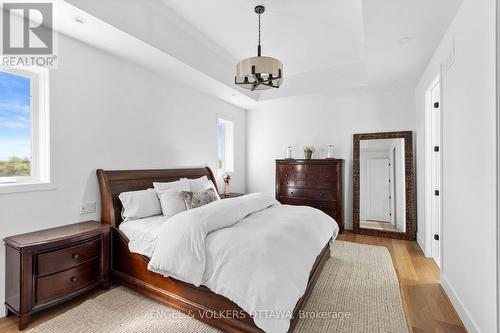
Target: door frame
x=436, y=136
x=497, y=37
x=429, y=187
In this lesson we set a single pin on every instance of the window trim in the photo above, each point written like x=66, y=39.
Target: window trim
x=225, y=170
x=40, y=133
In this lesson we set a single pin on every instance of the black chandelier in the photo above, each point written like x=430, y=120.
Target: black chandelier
x=259, y=73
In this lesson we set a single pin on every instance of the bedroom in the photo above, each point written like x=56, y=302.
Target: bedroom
x=141, y=86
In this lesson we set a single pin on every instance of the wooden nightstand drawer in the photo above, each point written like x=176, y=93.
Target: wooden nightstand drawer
x=60, y=260
x=58, y=284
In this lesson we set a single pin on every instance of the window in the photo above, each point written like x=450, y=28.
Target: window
x=225, y=146
x=23, y=126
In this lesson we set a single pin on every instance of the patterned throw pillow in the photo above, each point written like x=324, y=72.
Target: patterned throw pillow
x=198, y=199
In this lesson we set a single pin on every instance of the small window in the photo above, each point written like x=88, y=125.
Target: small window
x=225, y=145
x=23, y=127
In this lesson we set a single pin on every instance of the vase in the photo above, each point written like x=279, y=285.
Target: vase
x=308, y=155
x=330, y=151
x=226, y=189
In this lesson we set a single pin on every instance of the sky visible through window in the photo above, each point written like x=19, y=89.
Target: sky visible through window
x=15, y=117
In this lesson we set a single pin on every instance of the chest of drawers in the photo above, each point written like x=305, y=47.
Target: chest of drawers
x=314, y=183
x=50, y=266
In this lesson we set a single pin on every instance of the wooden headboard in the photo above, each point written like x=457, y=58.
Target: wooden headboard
x=112, y=183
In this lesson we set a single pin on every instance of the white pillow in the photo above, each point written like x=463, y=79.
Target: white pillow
x=139, y=204
x=171, y=202
x=201, y=184
x=179, y=185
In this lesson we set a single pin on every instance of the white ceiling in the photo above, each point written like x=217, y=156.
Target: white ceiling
x=325, y=45
x=306, y=37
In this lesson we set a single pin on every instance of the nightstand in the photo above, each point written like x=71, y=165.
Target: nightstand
x=230, y=195
x=47, y=267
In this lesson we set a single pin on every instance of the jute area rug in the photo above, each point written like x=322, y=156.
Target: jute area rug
x=357, y=291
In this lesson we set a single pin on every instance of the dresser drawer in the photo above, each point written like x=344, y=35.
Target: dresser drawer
x=322, y=205
x=321, y=171
x=293, y=192
x=65, y=282
x=314, y=194
x=59, y=260
x=309, y=183
x=291, y=168
x=316, y=184
x=327, y=209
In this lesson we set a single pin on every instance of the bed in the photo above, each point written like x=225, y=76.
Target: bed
x=131, y=269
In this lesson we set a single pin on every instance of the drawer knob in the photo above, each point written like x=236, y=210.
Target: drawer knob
x=76, y=256
x=73, y=279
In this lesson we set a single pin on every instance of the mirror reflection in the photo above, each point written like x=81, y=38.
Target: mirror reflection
x=382, y=185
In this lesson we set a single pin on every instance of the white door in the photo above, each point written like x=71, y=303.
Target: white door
x=436, y=171
x=393, y=189
x=378, y=175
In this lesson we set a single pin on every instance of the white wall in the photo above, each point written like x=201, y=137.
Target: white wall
x=107, y=113
x=468, y=240
x=320, y=120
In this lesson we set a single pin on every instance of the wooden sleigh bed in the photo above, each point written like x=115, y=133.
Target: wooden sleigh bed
x=130, y=269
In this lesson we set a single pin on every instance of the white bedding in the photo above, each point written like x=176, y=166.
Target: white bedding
x=251, y=249
x=142, y=233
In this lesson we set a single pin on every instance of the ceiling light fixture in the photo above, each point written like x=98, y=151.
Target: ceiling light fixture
x=259, y=73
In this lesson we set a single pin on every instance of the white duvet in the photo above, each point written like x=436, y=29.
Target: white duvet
x=251, y=249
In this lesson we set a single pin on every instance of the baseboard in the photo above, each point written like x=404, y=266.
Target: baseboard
x=467, y=320
x=421, y=243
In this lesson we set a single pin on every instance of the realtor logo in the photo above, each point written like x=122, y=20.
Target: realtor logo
x=27, y=34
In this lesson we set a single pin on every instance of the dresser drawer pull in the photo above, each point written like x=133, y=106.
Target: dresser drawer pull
x=76, y=256
x=73, y=279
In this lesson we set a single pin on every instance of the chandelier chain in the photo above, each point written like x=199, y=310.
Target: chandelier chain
x=259, y=29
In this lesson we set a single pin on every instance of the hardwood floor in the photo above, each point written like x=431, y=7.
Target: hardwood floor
x=427, y=307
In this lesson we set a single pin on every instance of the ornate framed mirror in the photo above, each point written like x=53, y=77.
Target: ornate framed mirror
x=384, y=185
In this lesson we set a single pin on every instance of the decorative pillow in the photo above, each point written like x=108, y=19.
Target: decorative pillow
x=201, y=184
x=198, y=199
x=139, y=204
x=179, y=185
x=171, y=202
